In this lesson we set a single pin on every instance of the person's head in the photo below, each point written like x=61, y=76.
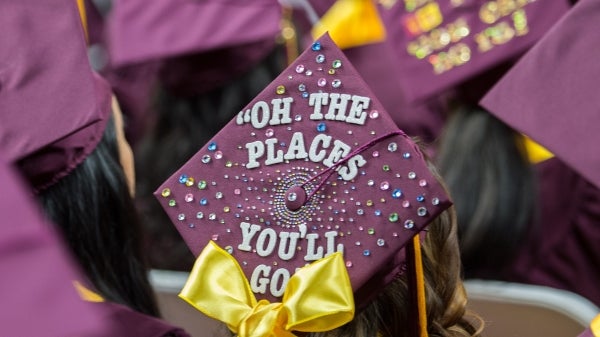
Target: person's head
x=203, y=79
x=484, y=164
x=314, y=204
x=94, y=209
x=390, y=315
x=59, y=129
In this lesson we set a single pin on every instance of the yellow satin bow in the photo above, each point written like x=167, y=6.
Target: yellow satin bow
x=351, y=23
x=317, y=298
x=595, y=326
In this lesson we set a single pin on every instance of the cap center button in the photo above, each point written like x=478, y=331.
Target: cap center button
x=295, y=197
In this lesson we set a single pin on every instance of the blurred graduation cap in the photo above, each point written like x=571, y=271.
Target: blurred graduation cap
x=54, y=107
x=441, y=44
x=37, y=285
x=311, y=181
x=551, y=94
x=203, y=44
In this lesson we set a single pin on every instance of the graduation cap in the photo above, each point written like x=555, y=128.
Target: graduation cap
x=37, y=273
x=441, y=44
x=310, y=194
x=201, y=44
x=550, y=94
x=54, y=108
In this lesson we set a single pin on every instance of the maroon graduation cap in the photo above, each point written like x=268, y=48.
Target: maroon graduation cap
x=37, y=285
x=551, y=94
x=442, y=43
x=54, y=107
x=311, y=175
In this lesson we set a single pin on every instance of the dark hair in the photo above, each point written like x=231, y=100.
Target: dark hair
x=181, y=127
x=94, y=210
x=483, y=163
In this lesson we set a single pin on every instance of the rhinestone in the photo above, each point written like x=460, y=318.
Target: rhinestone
x=212, y=216
x=374, y=114
x=422, y=211
x=435, y=201
x=228, y=164
x=302, y=87
x=412, y=175
x=308, y=72
x=336, y=64
x=189, y=197
x=203, y=201
x=298, y=118
x=237, y=191
x=393, y=217
x=386, y=168
x=406, y=204
x=369, y=203
x=375, y=154
x=371, y=182
x=316, y=46
x=367, y=252
x=191, y=225
x=349, y=264
x=397, y=193
x=305, y=94
x=336, y=83
x=321, y=82
x=202, y=184
x=360, y=211
x=409, y=224
x=280, y=90
x=181, y=217
x=218, y=155
x=371, y=231
x=212, y=146
x=229, y=249
x=422, y=182
x=321, y=127
x=199, y=215
x=165, y=192
x=384, y=186
x=380, y=242
x=183, y=178
x=190, y=182
x=300, y=68
x=420, y=198
x=215, y=237
x=320, y=58
x=219, y=195
x=206, y=159
x=406, y=155
x=392, y=147
x=269, y=133
x=172, y=202
x=377, y=212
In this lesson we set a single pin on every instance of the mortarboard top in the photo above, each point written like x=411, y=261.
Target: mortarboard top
x=37, y=290
x=441, y=44
x=54, y=108
x=550, y=95
x=203, y=43
x=311, y=167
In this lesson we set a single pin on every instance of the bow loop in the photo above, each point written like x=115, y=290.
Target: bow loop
x=317, y=298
